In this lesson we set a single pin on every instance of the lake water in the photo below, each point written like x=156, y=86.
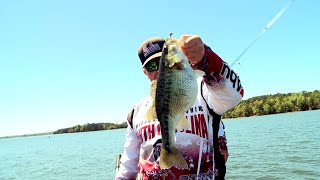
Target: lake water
x=282, y=146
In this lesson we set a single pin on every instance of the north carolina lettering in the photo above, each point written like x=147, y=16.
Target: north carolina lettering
x=198, y=125
x=195, y=109
x=197, y=122
x=147, y=132
x=142, y=123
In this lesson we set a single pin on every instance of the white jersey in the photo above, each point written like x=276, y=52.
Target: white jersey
x=140, y=158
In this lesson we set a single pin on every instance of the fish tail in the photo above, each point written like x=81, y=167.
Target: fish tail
x=173, y=158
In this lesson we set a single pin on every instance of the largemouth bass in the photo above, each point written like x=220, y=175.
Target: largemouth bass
x=173, y=93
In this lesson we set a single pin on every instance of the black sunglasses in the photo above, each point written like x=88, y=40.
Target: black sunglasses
x=152, y=65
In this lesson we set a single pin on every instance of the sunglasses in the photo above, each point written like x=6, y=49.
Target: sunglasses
x=152, y=65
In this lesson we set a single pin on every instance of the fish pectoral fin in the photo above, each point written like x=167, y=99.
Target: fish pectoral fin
x=151, y=113
x=183, y=123
x=174, y=158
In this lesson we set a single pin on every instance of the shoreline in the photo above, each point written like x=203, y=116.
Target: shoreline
x=26, y=135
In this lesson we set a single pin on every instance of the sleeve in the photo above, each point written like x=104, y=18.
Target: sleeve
x=222, y=89
x=129, y=159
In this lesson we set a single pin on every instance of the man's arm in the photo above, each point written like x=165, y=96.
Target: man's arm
x=222, y=89
x=130, y=156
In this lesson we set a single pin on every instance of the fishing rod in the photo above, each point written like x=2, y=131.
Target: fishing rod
x=265, y=29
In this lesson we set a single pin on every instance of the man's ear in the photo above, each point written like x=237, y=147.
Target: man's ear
x=144, y=71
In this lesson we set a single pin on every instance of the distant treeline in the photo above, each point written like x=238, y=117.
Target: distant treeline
x=91, y=127
x=255, y=106
x=277, y=103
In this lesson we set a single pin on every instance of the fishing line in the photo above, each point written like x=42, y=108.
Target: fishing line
x=265, y=29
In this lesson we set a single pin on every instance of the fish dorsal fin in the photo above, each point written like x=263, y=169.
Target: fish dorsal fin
x=183, y=123
x=151, y=112
x=153, y=88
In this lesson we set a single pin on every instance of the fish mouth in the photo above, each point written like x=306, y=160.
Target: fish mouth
x=165, y=51
x=169, y=42
x=171, y=56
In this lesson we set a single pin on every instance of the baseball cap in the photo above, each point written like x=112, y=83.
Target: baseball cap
x=150, y=49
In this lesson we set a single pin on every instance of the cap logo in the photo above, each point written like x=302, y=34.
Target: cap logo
x=151, y=49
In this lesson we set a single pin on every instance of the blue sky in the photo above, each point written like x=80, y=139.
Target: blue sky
x=64, y=63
